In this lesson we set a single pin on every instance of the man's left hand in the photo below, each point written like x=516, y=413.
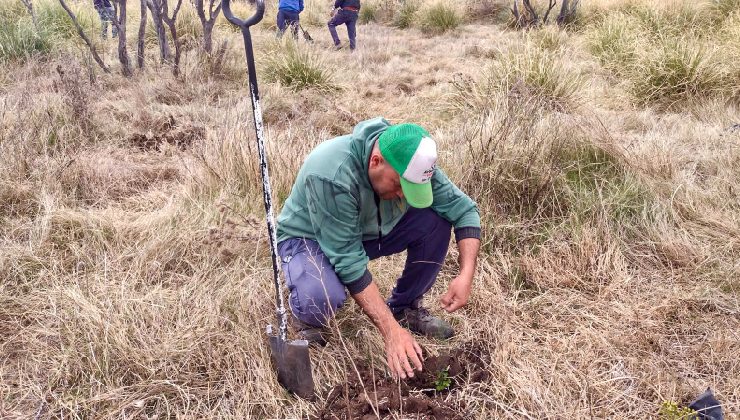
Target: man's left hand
x=457, y=293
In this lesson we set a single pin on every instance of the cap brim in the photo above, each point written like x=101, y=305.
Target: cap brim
x=417, y=195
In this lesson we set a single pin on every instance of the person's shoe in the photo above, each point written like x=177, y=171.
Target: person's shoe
x=314, y=335
x=338, y=47
x=420, y=321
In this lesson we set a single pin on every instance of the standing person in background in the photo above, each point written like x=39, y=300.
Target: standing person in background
x=344, y=12
x=289, y=15
x=107, y=14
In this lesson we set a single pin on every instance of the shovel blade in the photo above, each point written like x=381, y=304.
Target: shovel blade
x=293, y=364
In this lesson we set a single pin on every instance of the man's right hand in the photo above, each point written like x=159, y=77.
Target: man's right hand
x=403, y=353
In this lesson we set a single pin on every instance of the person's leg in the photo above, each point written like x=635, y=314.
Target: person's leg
x=111, y=16
x=351, y=30
x=103, y=15
x=281, y=24
x=425, y=236
x=315, y=290
x=335, y=21
x=294, y=21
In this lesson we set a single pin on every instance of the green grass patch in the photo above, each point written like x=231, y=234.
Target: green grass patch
x=299, y=67
x=678, y=71
x=55, y=20
x=19, y=39
x=539, y=74
x=615, y=42
x=439, y=18
x=405, y=14
x=368, y=13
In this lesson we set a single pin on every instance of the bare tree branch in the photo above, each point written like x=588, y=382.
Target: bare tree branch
x=157, y=9
x=142, y=33
x=207, y=23
x=532, y=18
x=549, y=8
x=171, y=23
x=119, y=20
x=84, y=37
x=517, y=16
x=567, y=12
x=29, y=6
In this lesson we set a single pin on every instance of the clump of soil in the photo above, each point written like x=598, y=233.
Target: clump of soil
x=420, y=397
x=167, y=131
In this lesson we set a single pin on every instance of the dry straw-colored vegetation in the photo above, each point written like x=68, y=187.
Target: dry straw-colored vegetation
x=605, y=158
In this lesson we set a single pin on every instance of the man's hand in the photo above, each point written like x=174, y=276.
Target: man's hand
x=457, y=294
x=400, y=348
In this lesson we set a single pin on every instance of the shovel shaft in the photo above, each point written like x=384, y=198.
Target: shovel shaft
x=262, y=151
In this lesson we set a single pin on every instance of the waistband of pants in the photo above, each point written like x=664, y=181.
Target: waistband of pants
x=351, y=9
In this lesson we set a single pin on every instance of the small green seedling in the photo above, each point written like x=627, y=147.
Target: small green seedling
x=443, y=380
x=669, y=410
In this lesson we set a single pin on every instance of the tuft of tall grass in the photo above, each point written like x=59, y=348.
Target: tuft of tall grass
x=539, y=74
x=19, y=40
x=676, y=71
x=404, y=17
x=615, y=42
x=439, y=18
x=299, y=68
x=54, y=20
x=189, y=29
x=532, y=170
x=368, y=13
x=487, y=11
x=723, y=9
x=548, y=38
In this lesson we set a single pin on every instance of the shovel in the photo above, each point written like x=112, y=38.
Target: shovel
x=306, y=35
x=291, y=358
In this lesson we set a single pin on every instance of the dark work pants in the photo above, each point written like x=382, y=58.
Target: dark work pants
x=316, y=292
x=344, y=17
x=287, y=18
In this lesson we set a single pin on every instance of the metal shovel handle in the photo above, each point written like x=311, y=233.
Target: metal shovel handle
x=244, y=24
x=258, y=126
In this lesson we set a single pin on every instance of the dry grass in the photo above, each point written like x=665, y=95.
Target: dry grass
x=134, y=270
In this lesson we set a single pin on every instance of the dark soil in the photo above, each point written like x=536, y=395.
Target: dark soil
x=416, y=397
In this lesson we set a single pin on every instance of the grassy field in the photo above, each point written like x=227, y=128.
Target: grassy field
x=135, y=279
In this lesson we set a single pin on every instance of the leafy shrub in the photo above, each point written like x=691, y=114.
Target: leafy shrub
x=440, y=18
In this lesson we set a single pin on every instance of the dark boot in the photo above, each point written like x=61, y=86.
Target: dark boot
x=418, y=320
x=310, y=333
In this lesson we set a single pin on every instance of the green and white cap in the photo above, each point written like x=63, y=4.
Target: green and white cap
x=410, y=150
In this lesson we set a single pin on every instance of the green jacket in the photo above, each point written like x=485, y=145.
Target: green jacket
x=333, y=203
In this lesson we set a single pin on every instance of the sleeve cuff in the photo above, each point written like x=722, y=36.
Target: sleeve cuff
x=467, y=232
x=360, y=284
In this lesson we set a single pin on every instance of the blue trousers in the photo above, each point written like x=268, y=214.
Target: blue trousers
x=344, y=17
x=316, y=292
x=287, y=18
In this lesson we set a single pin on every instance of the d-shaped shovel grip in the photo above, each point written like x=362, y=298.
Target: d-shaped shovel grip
x=244, y=24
